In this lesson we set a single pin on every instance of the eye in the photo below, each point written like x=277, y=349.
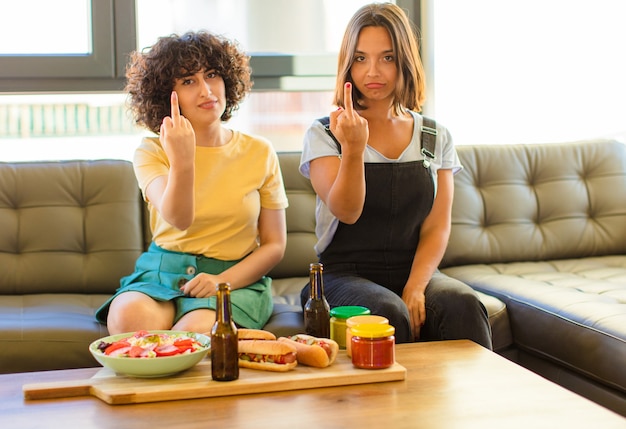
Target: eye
x=359, y=58
x=186, y=81
x=389, y=58
x=211, y=74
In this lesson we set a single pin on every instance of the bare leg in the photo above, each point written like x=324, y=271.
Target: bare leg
x=200, y=321
x=134, y=311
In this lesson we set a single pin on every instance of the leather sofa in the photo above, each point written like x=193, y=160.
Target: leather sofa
x=70, y=229
x=543, y=228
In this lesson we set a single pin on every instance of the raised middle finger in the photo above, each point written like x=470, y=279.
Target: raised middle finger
x=347, y=97
x=175, y=111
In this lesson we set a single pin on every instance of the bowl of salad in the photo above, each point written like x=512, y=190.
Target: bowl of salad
x=151, y=353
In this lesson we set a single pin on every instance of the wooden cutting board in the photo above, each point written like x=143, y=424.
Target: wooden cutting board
x=197, y=383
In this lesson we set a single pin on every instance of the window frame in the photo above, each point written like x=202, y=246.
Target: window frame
x=114, y=36
x=288, y=72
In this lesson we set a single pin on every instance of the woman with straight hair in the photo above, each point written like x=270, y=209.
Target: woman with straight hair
x=383, y=174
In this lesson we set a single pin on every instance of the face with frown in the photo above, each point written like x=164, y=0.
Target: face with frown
x=374, y=71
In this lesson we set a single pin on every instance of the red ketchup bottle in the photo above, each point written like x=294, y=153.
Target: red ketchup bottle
x=373, y=346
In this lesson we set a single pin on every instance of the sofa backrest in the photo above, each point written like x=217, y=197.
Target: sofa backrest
x=79, y=226
x=538, y=202
x=300, y=220
x=68, y=226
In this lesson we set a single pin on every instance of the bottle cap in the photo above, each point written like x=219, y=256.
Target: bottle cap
x=356, y=320
x=372, y=330
x=347, y=311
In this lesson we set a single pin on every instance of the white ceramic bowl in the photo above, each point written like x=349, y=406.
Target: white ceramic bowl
x=160, y=366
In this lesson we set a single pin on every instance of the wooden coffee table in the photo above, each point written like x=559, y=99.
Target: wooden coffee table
x=449, y=384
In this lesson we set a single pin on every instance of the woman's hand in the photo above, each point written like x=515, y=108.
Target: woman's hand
x=177, y=136
x=415, y=301
x=201, y=286
x=348, y=126
x=272, y=244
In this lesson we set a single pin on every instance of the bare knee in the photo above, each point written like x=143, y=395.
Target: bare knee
x=200, y=321
x=134, y=311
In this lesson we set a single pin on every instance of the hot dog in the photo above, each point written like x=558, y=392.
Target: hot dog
x=267, y=355
x=254, y=334
x=311, y=351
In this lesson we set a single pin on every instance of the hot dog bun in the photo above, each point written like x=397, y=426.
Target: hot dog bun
x=311, y=351
x=267, y=355
x=254, y=334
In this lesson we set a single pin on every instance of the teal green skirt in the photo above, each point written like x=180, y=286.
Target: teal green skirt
x=160, y=273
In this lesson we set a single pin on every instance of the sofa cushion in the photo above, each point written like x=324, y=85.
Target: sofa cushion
x=68, y=226
x=501, y=336
x=538, y=202
x=48, y=331
x=571, y=312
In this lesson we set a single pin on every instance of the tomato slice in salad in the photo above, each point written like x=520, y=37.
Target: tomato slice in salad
x=168, y=350
x=143, y=344
x=115, y=346
x=136, y=351
x=183, y=342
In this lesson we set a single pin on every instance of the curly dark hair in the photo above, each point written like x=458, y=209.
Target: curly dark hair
x=151, y=74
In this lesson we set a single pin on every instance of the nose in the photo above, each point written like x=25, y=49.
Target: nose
x=372, y=70
x=205, y=88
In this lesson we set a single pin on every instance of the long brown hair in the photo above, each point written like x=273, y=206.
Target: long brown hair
x=410, y=90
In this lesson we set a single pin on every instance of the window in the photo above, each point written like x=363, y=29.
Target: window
x=70, y=36
x=527, y=71
x=71, y=104
x=82, y=48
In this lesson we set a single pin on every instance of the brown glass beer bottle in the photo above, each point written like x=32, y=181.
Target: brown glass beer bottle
x=316, y=309
x=224, y=342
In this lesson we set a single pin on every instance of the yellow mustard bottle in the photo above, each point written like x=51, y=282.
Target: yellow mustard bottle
x=338, y=317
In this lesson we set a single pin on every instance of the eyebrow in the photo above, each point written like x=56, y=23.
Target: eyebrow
x=388, y=51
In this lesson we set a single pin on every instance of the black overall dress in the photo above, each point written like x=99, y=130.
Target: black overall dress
x=369, y=262
x=381, y=245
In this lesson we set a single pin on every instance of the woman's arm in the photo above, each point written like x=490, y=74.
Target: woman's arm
x=434, y=236
x=173, y=195
x=340, y=181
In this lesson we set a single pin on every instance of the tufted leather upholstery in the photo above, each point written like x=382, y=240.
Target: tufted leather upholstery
x=67, y=227
x=70, y=230
x=538, y=202
x=539, y=228
x=543, y=228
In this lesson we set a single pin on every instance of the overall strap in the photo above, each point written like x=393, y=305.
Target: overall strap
x=429, y=140
x=326, y=122
x=429, y=137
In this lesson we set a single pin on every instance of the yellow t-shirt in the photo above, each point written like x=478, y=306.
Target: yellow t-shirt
x=232, y=183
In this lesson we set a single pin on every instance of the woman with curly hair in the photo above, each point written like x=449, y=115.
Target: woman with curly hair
x=215, y=195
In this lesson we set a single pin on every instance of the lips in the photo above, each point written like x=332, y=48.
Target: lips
x=208, y=104
x=374, y=85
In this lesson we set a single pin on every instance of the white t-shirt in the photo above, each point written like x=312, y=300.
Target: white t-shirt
x=317, y=144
